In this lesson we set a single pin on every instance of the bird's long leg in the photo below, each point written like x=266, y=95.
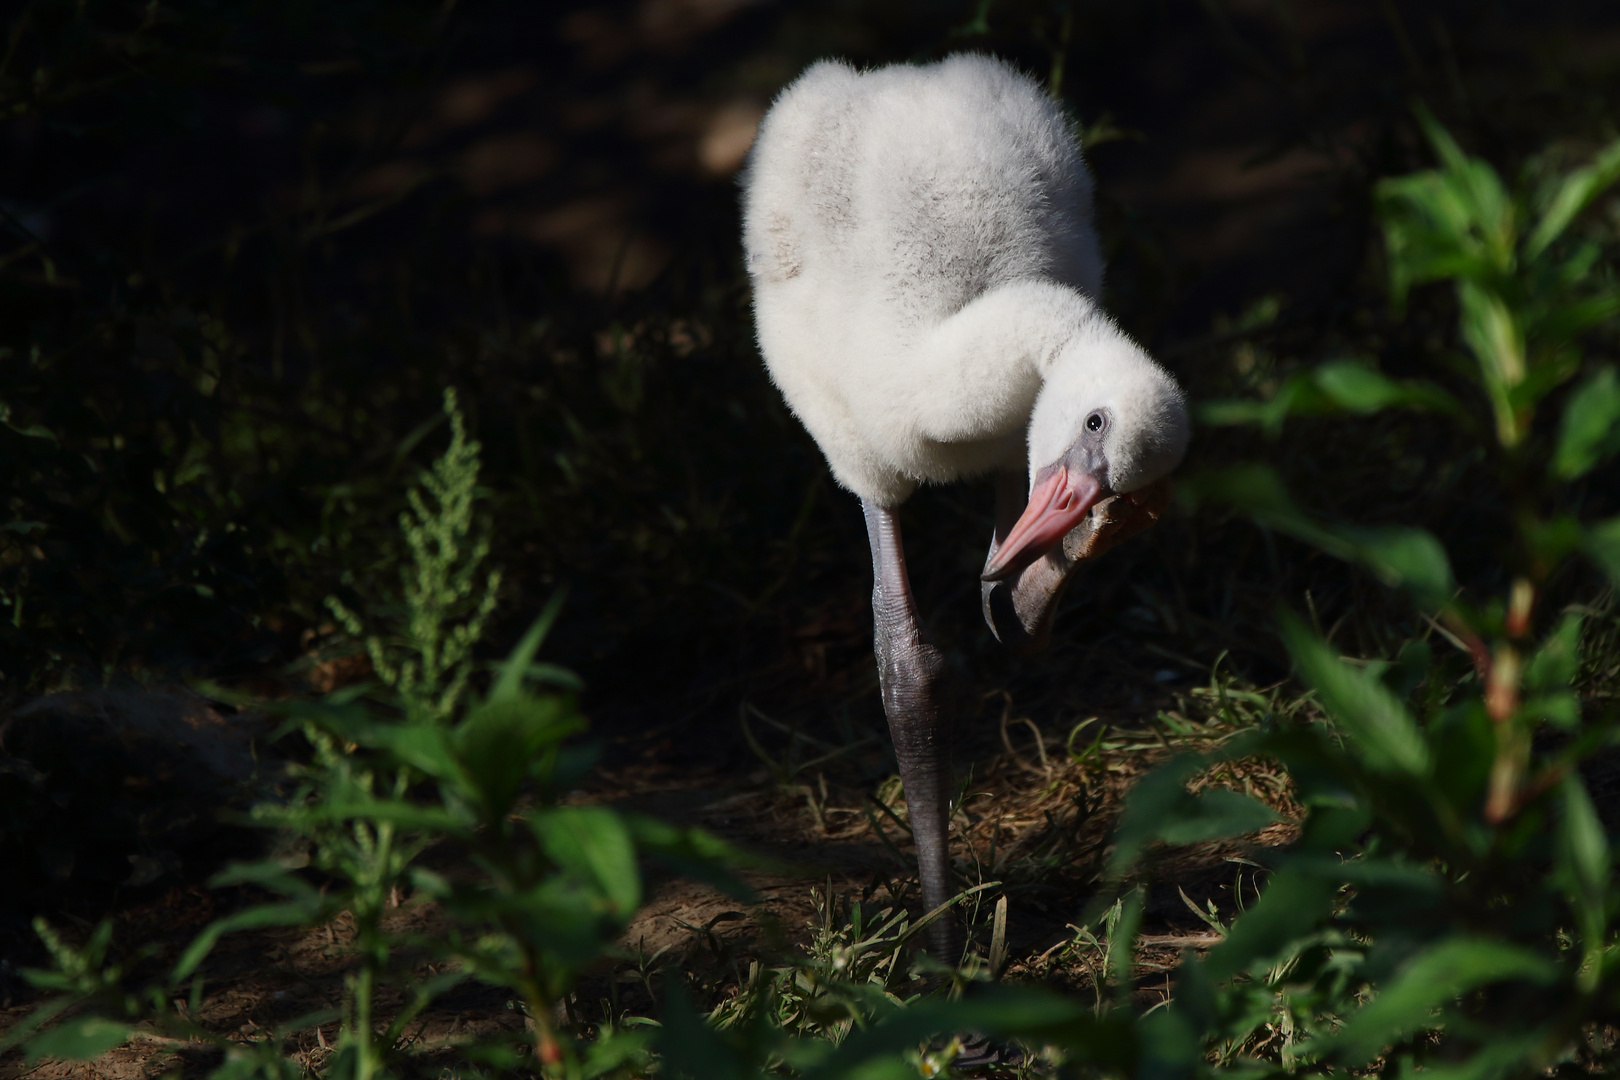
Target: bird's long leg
x=909, y=671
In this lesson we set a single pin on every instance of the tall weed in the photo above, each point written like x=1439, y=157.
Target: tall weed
x=540, y=889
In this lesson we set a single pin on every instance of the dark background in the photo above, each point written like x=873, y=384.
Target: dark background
x=244, y=247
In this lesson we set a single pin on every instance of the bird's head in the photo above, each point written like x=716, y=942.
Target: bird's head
x=1108, y=421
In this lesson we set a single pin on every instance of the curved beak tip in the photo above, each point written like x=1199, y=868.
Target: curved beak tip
x=1056, y=505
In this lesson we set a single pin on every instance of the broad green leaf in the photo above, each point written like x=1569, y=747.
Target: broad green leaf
x=1356, y=387
x=1430, y=980
x=1416, y=880
x=1375, y=720
x=1426, y=233
x=1603, y=546
x=1575, y=315
x=1160, y=808
x=1405, y=557
x=1336, y=386
x=1493, y=334
x=19, y=1032
x=1586, y=846
x=290, y=913
x=696, y=853
x=1481, y=200
x=692, y=1049
x=613, y=1050
x=268, y=874
x=1215, y=814
x=1154, y=802
x=1561, y=709
x=1291, y=906
x=1591, y=427
x=1258, y=491
x=1504, y=1056
x=399, y=812
x=1402, y=556
x=593, y=843
x=1359, y=388
x=1576, y=192
x=1583, y=862
x=1108, y=1043
x=1554, y=665
x=1454, y=222
x=1553, y=540
x=1464, y=737
x=502, y=738
x=78, y=1039
x=423, y=746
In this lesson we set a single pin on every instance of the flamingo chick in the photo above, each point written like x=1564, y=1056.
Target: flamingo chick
x=926, y=293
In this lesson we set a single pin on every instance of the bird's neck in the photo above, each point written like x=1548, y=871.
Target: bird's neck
x=1025, y=323
x=986, y=363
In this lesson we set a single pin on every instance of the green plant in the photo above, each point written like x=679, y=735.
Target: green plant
x=1448, y=903
x=1447, y=909
x=542, y=889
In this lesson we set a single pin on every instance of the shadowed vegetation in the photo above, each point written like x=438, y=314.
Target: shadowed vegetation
x=245, y=248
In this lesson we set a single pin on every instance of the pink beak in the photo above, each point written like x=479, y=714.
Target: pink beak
x=1059, y=501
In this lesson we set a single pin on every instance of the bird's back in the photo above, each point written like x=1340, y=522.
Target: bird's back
x=876, y=206
x=925, y=184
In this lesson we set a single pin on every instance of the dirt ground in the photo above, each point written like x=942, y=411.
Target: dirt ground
x=1035, y=816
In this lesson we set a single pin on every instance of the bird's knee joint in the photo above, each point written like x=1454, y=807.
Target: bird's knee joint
x=911, y=668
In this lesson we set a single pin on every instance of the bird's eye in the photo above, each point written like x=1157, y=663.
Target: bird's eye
x=1094, y=422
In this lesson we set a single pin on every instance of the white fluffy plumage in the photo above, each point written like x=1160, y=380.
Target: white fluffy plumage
x=926, y=281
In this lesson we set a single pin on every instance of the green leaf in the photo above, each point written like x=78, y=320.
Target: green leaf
x=423, y=745
x=1430, y=980
x=519, y=662
x=693, y=1050
x=1479, y=202
x=1160, y=808
x=290, y=913
x=1591, y=427
x=1582, y=862
x=1554, y=665
x=1215, y=814
x=19, y=1031
x=1586, y=846
x=1575, y=315
x=1359, y=388
x=1109, y=1043
x=78, y=1039
x=1405, y=557
x=1603, y=547
x=594, y=844
x=1291, y=907
x=399, y=812
x=694, y=852
x=1576, y=192
x=1402, y=556
x=1351, y=386
x=1561, y=709
x=501, y=740
x=1553, y=540
x=1494, y=335
x=1122, y=943
x=1153, y=802
x=1375, y=720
